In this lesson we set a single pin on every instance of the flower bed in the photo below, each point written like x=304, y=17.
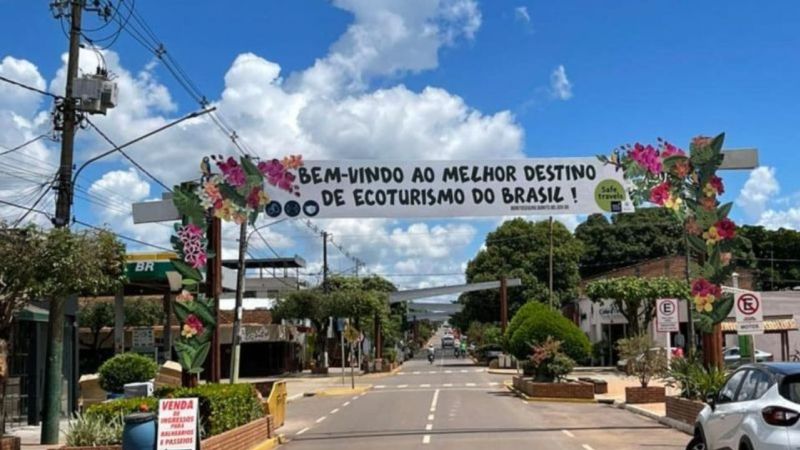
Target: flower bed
x=651, y=394
x=576, y=390
x=683, y=410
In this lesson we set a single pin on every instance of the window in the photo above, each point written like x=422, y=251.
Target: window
x=733, y=352
x=754, y=386
x=790, y=388
x=728, y=392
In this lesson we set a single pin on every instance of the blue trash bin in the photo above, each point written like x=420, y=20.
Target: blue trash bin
x=139, y=432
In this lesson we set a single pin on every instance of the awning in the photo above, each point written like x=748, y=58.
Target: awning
x=32, y=313
x=772, y=324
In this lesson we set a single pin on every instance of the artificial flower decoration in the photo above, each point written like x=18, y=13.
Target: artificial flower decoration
x=687, y=184
x=184, y=296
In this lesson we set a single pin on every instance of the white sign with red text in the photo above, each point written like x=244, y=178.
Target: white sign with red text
x=177, y=424
x=749, y=313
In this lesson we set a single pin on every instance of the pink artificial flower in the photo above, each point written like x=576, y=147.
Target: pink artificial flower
x=254, y=197
x=232, y=172
x=647, y=157
x=273, y=170
x=287, y=181
x=200, y=260
x=660, y=194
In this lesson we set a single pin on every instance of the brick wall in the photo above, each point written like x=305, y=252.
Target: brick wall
x=683, y=410
x=104, y=447
x=650, y=394
x=241, y=438
x=9, y=443
x=558, y=390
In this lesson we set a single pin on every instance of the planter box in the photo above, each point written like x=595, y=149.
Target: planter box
x=684, y=410
x=241, y=438
x=517, y=383
x=600, y=386
x=9, y=443
x=650, y=394
x=319, y=370
x=578, y=390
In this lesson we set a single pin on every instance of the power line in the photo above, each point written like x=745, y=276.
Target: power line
x=23, y=145
x=121, y=236
x=30, y=88
x=128, y=157
x=26, y=208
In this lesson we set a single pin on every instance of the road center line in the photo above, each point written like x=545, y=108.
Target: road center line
x=345, y=404
x=426, y=439
x=435, y=399
x=430, y=416
x=568, y=433
x=335, y=411
x=587, y=447
x=321, y=419
x=402, y=386
x=447, y=385
x=424, y=385
x=429, y=427
x=302, y=431
x=354, y=398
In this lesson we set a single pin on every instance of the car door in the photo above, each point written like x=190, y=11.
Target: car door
x=746, y=403
x=720, y=429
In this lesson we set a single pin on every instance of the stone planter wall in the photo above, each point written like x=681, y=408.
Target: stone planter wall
x=577, y=390
x=9, y=443
x=650, y=394
x=683, y=410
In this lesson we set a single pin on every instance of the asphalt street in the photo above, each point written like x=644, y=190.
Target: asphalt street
x=453, y=404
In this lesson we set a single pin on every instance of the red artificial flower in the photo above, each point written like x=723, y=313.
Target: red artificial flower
x=671, y=150
x=716, y=183
x=660, y=194
x=703, y=287
x=726, y=228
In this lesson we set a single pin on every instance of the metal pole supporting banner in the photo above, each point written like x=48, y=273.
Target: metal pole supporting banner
x=237, y=312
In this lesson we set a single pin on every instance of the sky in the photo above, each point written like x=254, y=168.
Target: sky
x=343, y=79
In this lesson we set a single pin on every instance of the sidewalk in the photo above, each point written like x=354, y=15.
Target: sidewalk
x=30, y=435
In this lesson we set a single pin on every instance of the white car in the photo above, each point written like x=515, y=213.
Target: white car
x=756, y=409
x=733, y=357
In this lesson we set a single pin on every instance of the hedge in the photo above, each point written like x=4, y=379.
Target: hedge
x=222, y=407
x=126, y=368
x=534, y=322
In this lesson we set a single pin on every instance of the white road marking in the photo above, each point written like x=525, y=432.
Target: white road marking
x=424, y=385
x=431, y=371
x=587, y=447
x=426, y=439
x=354, y=398
x=401, y=373
x=335, y=411
x=402, y=386
x=430, y=416
x=380, y=386
x=448, y=371
x=478, y=370
x=435, y=399
x=429, y=427
x=321, y=419
x=302, y=431
x=568, y=433
x=345, y=404
x=463, y=371
x=493, y=383
x=470, y=384
x=416, y=373
x=363, y=394
x=447, y=385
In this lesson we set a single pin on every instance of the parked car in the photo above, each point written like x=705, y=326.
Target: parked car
x=485, y=354
x=757, y=409
x=733, y=358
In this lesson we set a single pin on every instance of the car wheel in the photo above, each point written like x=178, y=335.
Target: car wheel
x=697, y=443
x=745, y=444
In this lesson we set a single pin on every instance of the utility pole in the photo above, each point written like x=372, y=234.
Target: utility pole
x=503, y=304
x=51, y=409
x=325, y=261
x=237, y=312
x=552, y=298
x=213, y=289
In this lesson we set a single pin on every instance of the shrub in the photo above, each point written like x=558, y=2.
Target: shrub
x=548, y=362
x=94, y=430
x=534, y=322
x=109, y=411
x=390, y=354
x=223, y=407
x=643, y=360
x=126, y=368
x=694, y=380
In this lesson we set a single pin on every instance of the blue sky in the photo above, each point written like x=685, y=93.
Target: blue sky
x=630, y=71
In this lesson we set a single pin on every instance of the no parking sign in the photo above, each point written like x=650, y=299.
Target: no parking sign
x=749, y=313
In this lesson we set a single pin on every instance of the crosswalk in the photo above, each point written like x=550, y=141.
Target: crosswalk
x=435, y=386
x=429, y=372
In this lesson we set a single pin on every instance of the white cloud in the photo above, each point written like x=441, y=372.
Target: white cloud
x=560, y=86
x=521, y=14
x=774, y=219
x=13, y=98
x=759, y=189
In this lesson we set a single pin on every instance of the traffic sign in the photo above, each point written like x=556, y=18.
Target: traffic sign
x=667, y=315
x=749, y=313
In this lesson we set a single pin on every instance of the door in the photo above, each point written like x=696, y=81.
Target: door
x=721, y=426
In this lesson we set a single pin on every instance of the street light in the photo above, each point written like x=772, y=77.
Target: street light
x=244, y=238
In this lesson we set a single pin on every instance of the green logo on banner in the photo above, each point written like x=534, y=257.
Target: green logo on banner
x=609, y=195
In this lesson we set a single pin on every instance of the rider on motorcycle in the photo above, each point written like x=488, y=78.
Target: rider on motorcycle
x=431, y=352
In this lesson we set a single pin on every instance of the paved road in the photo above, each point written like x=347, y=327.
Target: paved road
x=453, y=404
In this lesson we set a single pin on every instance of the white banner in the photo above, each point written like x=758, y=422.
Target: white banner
x=366, y=188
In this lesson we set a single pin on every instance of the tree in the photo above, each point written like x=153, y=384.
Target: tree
x=628, y=238
x=57, y=263
x=535, y=322
x=773, y=255
x=642, y=359
x=520, y=249
x=635, y=297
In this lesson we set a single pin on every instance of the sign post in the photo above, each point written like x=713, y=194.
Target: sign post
x=749, y=313
x=667, y=320
x=177, y=424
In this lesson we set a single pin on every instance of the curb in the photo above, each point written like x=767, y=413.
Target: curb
x=330, y=392
x=672, y=423
x=528, y=398
x=269, y=444
x=502, y=371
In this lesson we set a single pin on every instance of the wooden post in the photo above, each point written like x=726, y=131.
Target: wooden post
x=214, y=287
x=503, y=304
